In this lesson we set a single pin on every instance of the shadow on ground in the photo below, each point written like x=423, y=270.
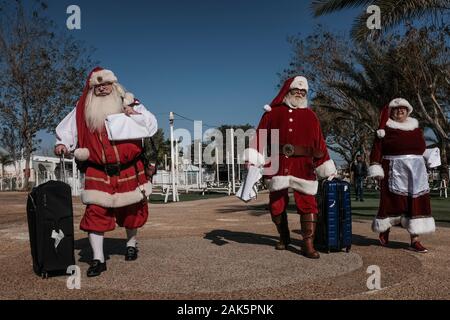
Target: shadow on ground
x=223, y=237
x=112, y=247
x=253, y=210
x=364, y=241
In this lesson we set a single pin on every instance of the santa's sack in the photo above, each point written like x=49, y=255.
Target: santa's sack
x=334, y=226
x=50, y=225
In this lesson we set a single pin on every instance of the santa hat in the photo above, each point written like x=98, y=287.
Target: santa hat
x=386, y=113
x=400, y=102
x=297, y=82
x=300, y=83
x=101, y=76
x=96, y=76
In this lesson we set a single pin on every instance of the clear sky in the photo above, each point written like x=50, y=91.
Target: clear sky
x=210, y=60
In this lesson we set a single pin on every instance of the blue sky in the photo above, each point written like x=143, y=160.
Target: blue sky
x=210, y=60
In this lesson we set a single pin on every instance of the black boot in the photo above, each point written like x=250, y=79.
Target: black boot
x=132, y=254
x=281, y=222
x=96, y=268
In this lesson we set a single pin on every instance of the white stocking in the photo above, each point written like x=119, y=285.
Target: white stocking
x=96, y=240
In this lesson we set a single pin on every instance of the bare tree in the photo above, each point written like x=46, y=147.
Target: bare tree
x=346, y=100
x=352, y=82
x=423, y=61
x=41, y=73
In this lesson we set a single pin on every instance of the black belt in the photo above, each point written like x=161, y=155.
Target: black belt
x=290, y=150
x=113, y=169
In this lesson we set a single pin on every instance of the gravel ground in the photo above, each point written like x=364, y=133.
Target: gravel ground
x=223, y=249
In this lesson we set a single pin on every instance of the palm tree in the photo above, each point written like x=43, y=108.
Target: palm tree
x=393, y=12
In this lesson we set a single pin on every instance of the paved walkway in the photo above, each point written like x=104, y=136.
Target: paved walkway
x=223, y=249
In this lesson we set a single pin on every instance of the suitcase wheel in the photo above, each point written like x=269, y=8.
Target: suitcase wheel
x=44, y=275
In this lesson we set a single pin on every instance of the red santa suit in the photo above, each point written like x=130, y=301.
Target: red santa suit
x=398, y=157
x=298, y=130
x=111, y=197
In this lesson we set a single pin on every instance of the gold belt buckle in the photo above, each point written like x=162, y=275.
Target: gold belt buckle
x=288, y=150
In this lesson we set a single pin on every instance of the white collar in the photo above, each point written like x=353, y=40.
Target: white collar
x=410, y=124
x=294, y=108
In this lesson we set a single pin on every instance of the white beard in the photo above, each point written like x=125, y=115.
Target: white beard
x=100, y=107
x=295, y=103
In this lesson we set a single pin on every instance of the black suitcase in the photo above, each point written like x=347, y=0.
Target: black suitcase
x=334, y=227
x=50, y=225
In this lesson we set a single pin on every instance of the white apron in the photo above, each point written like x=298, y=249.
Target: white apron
x=408, y=175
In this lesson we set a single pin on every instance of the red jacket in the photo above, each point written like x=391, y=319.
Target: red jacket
x=298, y=127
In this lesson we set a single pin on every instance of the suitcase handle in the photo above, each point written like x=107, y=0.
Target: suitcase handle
x=62, y=163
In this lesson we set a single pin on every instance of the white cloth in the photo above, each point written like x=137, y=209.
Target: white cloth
x=96, y=241
x=57, y=236
x=121, y=127
x=408, y=175
x=66, y=131
x=67, y=134
x=248, y=190
x=432, y=157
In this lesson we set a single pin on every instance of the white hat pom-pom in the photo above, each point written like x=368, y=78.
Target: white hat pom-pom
x=267, y=108
x=381, y=133
x=82, y=154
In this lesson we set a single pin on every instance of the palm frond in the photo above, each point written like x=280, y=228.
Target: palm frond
x=395, y=12
x=322, y=7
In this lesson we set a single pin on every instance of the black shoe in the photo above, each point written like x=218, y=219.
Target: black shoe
x=96, y=268
x=362, y=200
x=132, y=254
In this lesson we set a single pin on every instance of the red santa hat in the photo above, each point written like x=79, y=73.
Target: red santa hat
x=97, y=76
x=386, y=113
x=297, y=82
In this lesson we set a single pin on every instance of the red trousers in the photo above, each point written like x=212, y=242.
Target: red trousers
x=279, y=200
x=100, y=219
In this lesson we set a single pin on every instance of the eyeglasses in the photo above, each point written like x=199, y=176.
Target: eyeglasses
x=106, y=84
x=298, y=91
x=399, y=109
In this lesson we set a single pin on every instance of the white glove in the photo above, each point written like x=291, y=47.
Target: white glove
x=332, y=177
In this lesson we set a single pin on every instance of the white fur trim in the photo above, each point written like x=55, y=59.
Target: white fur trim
x=102, y=76
x=382, y=225
x=81, y=154
x=117, y=200
x=376, y=170
x=419, y=226
x=381, y=133
x=267, y=108
x=128, y=99
x=300, y=83
x=410, y=124
x=400, y=102
x=254, y=157
x=278, y=183
x=326, y=169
